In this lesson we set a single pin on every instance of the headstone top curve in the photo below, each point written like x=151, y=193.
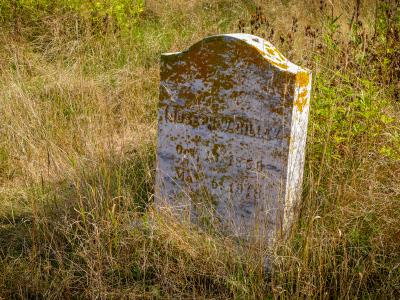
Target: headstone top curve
x=265, y=48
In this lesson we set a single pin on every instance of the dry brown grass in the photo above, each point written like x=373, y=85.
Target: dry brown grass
x=78, y=109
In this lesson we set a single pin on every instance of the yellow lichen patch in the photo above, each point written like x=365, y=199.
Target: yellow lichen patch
x=301, y=101
x=275, y=53
x=280, y=55
x=302, y=79
x=262, y=53
x=270, y=51
x=283, y=66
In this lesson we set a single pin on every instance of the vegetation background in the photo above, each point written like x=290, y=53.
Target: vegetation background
x=78, y=117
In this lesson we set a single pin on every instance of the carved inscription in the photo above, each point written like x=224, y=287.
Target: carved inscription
x=213, y=157
x=225, y=123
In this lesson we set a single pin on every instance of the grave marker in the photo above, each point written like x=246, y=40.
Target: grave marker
x=232, y=127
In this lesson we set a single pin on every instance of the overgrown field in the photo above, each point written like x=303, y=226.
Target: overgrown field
x=78, y=118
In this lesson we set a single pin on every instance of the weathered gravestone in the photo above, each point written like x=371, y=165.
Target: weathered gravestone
x=232, y=128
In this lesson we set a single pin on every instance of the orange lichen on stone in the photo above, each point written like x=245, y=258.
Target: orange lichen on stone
x=280, y=55
x=283, y=66
x=274, y=52
x=270, y=51
x=302, y=79
x=301, y=101
x=262, y=53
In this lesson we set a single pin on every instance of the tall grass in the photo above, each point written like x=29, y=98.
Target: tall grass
x=78, y=108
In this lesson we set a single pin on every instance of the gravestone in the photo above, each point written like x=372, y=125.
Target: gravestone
x=232, y=127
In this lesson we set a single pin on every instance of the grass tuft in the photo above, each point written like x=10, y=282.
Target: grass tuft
x=78, y=108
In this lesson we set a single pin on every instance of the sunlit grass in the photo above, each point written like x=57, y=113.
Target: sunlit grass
x=78, y=108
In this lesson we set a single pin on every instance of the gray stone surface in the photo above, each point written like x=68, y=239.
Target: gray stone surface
x=232, y=127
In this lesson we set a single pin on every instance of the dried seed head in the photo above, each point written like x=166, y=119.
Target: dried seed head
x=396, y=34
x=396, y=95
